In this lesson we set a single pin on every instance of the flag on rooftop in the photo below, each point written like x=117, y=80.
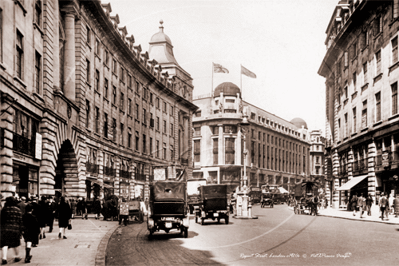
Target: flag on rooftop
x=218, y=68
x=248, y=73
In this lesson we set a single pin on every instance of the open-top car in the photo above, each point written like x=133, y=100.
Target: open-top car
x=168, y=208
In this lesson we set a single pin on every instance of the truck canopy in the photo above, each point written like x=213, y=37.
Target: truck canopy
x=168, y=191
x=213, y=191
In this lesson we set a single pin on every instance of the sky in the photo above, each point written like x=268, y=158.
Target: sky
x=281, y=41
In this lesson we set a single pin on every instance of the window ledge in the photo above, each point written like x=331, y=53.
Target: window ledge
x=38, y=96
x=138, y=121
x=2, y=66
x=378, y=77
x=394, y=66
x=20, y=81
x=106, y=99
x=364, y=129
x=88, y=129
x=36, y=26
x=394, y=116
x=21, y=6
x=377, y=123
x=354, y=95
x=106, y=65
x=346, y=101
x=98, y=56
x=88, y=84
x=353, y=134
x=88, y=45
x=122, y=111
x=365, y=86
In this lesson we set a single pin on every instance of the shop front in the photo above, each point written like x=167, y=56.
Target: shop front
x=356, y=186
x=25, y=179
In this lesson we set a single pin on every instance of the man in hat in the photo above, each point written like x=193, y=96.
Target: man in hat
x=383, y=205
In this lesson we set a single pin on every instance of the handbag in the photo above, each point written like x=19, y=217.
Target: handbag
x=69, y=225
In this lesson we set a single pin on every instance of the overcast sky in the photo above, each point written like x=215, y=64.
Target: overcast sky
x=281, y=41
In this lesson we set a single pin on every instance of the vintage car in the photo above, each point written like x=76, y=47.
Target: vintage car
x=168, y=208
x=213, y=204
x=267, y=199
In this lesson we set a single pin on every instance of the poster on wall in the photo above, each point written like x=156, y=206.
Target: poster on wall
x=38, y=146
x=159, y=174
x=138, y=191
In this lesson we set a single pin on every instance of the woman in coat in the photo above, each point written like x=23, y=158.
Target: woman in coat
x=11, y=228
x=64, y=215
x=97, y=208
x=31, y=231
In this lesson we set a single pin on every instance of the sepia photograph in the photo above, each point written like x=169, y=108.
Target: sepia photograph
x=199, y=132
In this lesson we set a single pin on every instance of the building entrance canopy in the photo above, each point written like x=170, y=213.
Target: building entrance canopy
x=95, y=181
x=353, y=182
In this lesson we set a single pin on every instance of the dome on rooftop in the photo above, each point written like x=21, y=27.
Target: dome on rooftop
x=227, y=88
x=299, y=122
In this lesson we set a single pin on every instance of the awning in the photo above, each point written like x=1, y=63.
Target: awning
x=353, y=182
x=101, y=184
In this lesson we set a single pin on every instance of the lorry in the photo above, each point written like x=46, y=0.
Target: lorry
x=213, y=204
x=193, y=197
x=168, y=209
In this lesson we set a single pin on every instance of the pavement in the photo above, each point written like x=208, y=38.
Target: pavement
x=87, y=242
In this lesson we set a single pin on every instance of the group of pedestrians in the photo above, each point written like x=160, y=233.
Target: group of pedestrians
x=361, y=204
x=29, y=219
x=389, y=206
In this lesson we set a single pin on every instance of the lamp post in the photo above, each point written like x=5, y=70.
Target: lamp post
x=244, y=208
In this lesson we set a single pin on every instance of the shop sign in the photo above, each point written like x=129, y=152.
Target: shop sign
x=159, y=174
x=385, y=159
x=38, y=148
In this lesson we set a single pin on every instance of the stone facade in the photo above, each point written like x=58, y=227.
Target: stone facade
x=361, y=71
x=80, y=103
x=277, y=151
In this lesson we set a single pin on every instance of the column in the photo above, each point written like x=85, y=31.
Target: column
x=69, y=56
x=221, y=145
x=371, y=170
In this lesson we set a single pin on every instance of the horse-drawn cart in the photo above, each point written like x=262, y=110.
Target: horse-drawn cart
x=306, y=198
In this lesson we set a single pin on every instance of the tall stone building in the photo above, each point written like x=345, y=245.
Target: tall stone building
x=362, y=119
x=317, y=144
x=277, y=150
x=84, y=111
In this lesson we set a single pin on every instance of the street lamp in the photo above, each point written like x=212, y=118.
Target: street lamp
x=243, y=204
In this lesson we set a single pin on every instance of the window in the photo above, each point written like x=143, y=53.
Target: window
x=151, y=147
x=157, y=102
x=215, y=150
x=144, y=116
x=144, y=144
x=122, y=128
x=394, y=44
x=114, y=95
x=339, y=127
x=378, y=25
x=346, y=61
x=19, y=62
x=164, y=151
x=172, y=153
x=165, y=105
x=87, y=113
x=378, y=62
x=105, y=130
x=171, y=110
x=122, y=101
x=137, y=112
x=114, y=129
x=151, y=98
x=129, y=81
x=97, y=85
x=197, y=151
x=106, y=88
x=137, y=87
x=38, y=13
x=230, y=150
x=97, y=129
x=38, y=71
x=114, y=66
x=378, y=106
x=157, y=124
x=157, y=149
x=129, y=138
x=87, y=71
x=129, y=106
x=346, y=92
x=232, y=129
x=354, y=120
x=164, y=126
x=137, y=140
x=171, y=129
x=354, y=81
x=394, y=89
x=106, y=58
x=365, y=72
x=122, y=74
x=364, y=115
x=88, y=37
x=97, y=47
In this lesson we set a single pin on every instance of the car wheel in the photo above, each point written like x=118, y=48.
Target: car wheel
x=226, y=220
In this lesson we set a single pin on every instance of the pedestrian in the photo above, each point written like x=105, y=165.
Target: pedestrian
x=79, y=205
x=84, y=208
x=22, y=205
x=11, y=229
x=361, y=203
x=396, y=206
x=73, y=207
x=97, y=208
x=31, y=231
x=42, y=214
x=369, y=203
x=52, y=207
x=123, y=211
x=390, y=200
x=354, y=203
x=383, y=205
x=64, y=215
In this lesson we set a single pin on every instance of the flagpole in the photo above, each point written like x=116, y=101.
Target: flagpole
x=241, y=81
x=212, y=82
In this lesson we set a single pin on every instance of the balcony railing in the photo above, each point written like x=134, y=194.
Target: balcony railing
x=23, y=145
x=109, y=171
x=92, y=168
x=140, y=177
